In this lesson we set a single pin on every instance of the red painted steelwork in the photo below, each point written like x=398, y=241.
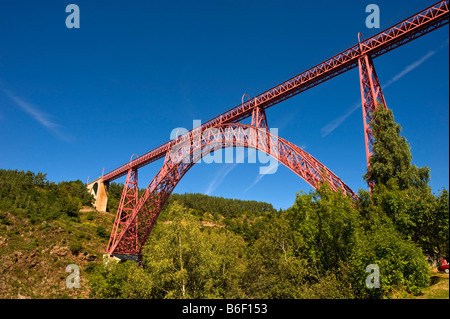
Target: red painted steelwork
x=127, y=204
x=371, y=98
x=136, y=217
x=184, y=156
x=409, y=29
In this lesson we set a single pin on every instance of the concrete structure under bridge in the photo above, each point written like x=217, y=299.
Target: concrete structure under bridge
x=99, y=190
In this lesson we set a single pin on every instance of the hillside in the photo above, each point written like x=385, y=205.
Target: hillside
x=213, y=247
x=44, y=228
x=34, y=257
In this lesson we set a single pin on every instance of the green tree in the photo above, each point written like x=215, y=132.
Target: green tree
x=186, y=261
x=328, y=223
x=401, y=189
x=401, y=263
x=439, y=232
x=33, y=196
x=274, y=268
x=114, y=194
x=390, y=163
x=123, y=280
x=304, y=252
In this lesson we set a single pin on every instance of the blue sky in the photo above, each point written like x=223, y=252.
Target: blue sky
x=76, y=101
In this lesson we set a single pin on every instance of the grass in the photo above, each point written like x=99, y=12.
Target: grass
x=438, y=288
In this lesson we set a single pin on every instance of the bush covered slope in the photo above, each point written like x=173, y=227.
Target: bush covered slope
x=212, y=247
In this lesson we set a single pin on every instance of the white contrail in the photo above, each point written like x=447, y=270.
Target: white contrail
x=409, y=68
x=39, y=116
x=258, y=179
x=330, y=127
x=220, y=176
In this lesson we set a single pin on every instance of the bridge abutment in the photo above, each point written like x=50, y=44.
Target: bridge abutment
x=99, y=190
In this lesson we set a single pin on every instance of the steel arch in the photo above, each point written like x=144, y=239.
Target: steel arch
x=184, y=155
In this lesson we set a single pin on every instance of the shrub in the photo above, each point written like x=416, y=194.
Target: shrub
x=75, y=247
x=101, y=232
x=401, y=263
